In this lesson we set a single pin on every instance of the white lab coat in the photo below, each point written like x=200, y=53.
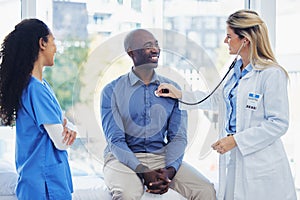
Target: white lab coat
x=262, y=168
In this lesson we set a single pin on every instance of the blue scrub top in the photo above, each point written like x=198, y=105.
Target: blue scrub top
x=44, y=171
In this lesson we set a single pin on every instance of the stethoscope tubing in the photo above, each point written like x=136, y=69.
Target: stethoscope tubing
x=213, y=91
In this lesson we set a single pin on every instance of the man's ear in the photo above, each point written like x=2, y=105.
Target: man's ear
x=129, y=52
x=42, y=44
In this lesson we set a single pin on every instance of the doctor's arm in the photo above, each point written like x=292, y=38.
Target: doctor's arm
x=211, y=103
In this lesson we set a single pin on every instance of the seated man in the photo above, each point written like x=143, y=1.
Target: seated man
x=146, y=135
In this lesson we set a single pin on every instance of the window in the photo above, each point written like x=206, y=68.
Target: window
x=136, y=5
x=210, y=22
x=85, y=61
x=197, y=39
x=10, y=13
x=90, y=53
x=211, y=40
x=288, y=52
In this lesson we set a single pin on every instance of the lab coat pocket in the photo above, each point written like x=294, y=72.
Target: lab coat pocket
x=259, y=165
x=56, y=181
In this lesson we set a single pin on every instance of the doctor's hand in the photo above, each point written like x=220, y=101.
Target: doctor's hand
x=168, y=90
x=224, y=145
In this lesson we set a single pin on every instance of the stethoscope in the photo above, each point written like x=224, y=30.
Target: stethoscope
x=205, y=98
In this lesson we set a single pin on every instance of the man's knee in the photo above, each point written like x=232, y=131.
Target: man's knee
x=207, y=192
x=129, y=193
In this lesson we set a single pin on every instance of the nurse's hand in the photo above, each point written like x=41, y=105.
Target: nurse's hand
x=224, y=145
x=69, y=135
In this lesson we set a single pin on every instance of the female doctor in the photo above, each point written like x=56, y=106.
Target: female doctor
x=42, y=134
x=254, y=114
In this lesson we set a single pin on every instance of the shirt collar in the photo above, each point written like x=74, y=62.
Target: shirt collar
x=134, y=79
x=247, y=69
x=237, y=69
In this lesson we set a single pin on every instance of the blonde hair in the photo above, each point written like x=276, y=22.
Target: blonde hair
x=247, y=24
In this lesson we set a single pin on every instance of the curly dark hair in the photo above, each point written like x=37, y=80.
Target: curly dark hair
x=19, y=51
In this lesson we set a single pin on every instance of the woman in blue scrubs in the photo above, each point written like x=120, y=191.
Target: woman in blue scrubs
x=27, y=100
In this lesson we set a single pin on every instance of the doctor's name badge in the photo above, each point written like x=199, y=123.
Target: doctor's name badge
x=252, y=101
